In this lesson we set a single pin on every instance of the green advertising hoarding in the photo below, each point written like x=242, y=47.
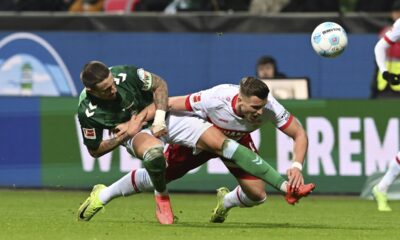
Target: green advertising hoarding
x=349, y=140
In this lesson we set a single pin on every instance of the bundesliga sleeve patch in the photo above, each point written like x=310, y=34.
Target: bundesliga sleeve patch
x=89, y=133
x=146, y=78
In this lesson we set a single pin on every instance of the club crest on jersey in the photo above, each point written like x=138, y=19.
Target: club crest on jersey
x=89, y=133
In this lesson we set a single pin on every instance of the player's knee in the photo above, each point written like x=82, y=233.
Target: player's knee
x=247, y=202
x=257, y=195
x=261, y=201
x=228, y=148
x=153, y=159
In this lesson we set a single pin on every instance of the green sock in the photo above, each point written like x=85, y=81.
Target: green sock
x=154, y=162
x=252, y=163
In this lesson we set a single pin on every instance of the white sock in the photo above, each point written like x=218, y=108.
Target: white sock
x=133, y=182
x=143, y=181
x=284, y=187
x=237, y=198
x=144, y=184
x=390, y=175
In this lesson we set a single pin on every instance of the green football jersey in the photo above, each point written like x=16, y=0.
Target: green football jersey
x=134, y=93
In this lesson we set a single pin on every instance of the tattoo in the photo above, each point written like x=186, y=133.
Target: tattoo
x=160, y=93
x=106, y=146
x=111, y=143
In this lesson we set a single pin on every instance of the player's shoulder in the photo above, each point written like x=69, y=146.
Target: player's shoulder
x=128, y=74
x=273, y=104
x=222, y=94
x=225, y=90
x=86, y=109
x=123, y=68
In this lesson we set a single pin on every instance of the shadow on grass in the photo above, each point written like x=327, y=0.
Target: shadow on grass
x=249, y=225
x=268, y=225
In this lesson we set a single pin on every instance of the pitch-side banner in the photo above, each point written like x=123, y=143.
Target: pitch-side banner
x=348, y=141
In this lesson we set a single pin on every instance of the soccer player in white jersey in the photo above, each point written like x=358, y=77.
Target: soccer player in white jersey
x=237, y=113
x=380, y=190
x=252, y=109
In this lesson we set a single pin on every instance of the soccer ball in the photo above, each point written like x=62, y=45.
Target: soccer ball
x=329, y=39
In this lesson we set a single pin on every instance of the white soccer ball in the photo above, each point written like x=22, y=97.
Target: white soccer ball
x=329, y=39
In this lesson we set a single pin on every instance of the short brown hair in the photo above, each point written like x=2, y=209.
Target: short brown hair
x=94, y=72
x=251, y=86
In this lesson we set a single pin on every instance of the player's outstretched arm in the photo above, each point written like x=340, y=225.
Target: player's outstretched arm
x=300, y=144
x=109, y=144
x=178, y=103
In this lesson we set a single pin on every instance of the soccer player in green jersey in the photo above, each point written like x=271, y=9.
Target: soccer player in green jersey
x=116, y=95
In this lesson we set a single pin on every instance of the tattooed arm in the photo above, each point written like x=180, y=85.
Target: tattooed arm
x=108, y=145
x=160, y=92
x=160, y=96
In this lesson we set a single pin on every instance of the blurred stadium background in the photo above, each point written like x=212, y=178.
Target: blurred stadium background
x=193, y=45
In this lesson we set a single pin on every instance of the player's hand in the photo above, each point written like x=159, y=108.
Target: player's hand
x=135, y=125
x=120, y=130
x=393, y=79
x=159, y=129
x=295, y=177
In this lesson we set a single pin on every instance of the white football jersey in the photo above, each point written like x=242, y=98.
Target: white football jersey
x=393, y=35
x=217, y=105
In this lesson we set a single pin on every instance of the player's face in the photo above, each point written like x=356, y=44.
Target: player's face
x=251, y=107
x=105, y=89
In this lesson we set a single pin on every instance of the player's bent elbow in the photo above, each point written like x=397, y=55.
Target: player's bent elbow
x=94, y=153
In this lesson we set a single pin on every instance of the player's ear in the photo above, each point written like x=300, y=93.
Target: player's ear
x=239, y=99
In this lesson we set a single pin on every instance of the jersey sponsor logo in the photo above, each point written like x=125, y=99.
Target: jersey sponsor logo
x=90, y=111
x=233, y=134
x=121, y=78
x=89, y=133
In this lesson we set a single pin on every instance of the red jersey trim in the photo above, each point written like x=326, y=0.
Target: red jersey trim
x=133, y=180
x=234, y=101
x=187, y=104
x=287, y=123
x=390, y=42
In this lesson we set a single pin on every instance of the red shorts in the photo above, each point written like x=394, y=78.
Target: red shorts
x=181, y=160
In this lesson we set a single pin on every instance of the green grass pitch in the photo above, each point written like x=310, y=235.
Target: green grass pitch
x=31, y=214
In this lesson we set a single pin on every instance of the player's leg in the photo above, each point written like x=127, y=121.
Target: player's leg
x=138, y=181
x=249, y=193
x=214, y=141
x=251, y=162
x=181, y=160
x=151, y=150
x=380, y=190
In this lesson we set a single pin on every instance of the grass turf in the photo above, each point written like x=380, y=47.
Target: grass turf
x=40, y=214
